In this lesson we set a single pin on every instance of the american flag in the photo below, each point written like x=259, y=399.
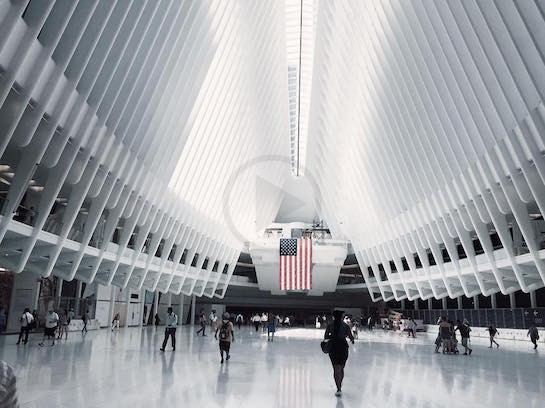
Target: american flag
x=295, y=264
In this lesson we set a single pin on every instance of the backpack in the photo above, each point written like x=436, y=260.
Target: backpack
x=33, y=324
x=224, y=331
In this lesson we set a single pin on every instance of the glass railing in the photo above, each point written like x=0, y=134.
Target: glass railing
x=519, y=318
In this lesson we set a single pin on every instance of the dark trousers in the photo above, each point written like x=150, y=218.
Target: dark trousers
x=202, y=329
x=84, y=326
x=25, y=331
x=170, y=331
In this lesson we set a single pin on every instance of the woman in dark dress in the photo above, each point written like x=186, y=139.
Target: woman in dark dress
x=337, y=331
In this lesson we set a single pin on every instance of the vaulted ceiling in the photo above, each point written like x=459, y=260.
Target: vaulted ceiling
x=138, y=131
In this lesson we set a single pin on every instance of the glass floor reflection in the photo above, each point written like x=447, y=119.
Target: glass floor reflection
x=126, y=369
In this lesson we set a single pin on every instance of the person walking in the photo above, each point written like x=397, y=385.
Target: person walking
x=271, y=327
x=464, y=330
x=534, y=335
x=213, y=320
x=51, y=322
x=202, y=321
x=85, y=318
x=115, y=322
x=239, y=320
x=257, y=321
x=63, y=325
x=445, y=334
x=71, y=314
x=25, y=321
x=492, y=331
x=170, y=329
x=264, y=320
x=226, y=336
x=337, y=332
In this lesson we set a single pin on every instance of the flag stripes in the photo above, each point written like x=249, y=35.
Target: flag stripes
x=295, y=264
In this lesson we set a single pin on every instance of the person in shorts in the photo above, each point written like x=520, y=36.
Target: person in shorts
x=492, y=331
x=63, y=326
x=464, y=330
x=226, y=333
x=51, y=322
x=271, y=327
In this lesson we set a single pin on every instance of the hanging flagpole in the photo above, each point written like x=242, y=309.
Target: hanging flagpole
x=299, y=89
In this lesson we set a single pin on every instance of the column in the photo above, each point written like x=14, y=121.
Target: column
x=430, y=303
x=444, y=303
x=533, y=301
x=475, y=302
x=512, y=301
x=416, y=304
x=112, y=304
x=493, y=300
x=36, y=293
x=142, y=298
x=402, y=304
x=169, y=299
x=460, y=303
x=155, y=306
x=128, y=302
x=181, y=310
x=78, y=297
x=58, y=292
x=193, y=306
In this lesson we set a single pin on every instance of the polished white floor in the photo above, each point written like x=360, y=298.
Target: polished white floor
x=126, y=369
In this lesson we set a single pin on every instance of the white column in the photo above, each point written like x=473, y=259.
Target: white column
x=113, y=289
x=444, y=303
x=402, y=304
x=512, y=300
x=36, y=296
x=430, y=303
x=142, y=298
x=475, y=302
x=460, y=304
x=155, y=306
x=169, y=299
x=416, y=304
x=493, y=301
x=128, y=302
x=193, y=305
x=181, y=310
x=78, y=298
x=533, y=301
x=58, y=292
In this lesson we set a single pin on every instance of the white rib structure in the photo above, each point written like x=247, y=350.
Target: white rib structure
x=135, y=113
x=427, y=136
x=130, y=125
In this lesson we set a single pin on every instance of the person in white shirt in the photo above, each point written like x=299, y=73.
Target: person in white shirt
x=239, y=320
x=213, y=319
x=26, y=320
x=170, y=329
x=264, y=319
x=257, y=321
x=51, y=321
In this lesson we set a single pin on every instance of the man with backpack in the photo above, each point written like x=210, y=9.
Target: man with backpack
x=27, y=321
x=170, y=329
x=226, y=335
